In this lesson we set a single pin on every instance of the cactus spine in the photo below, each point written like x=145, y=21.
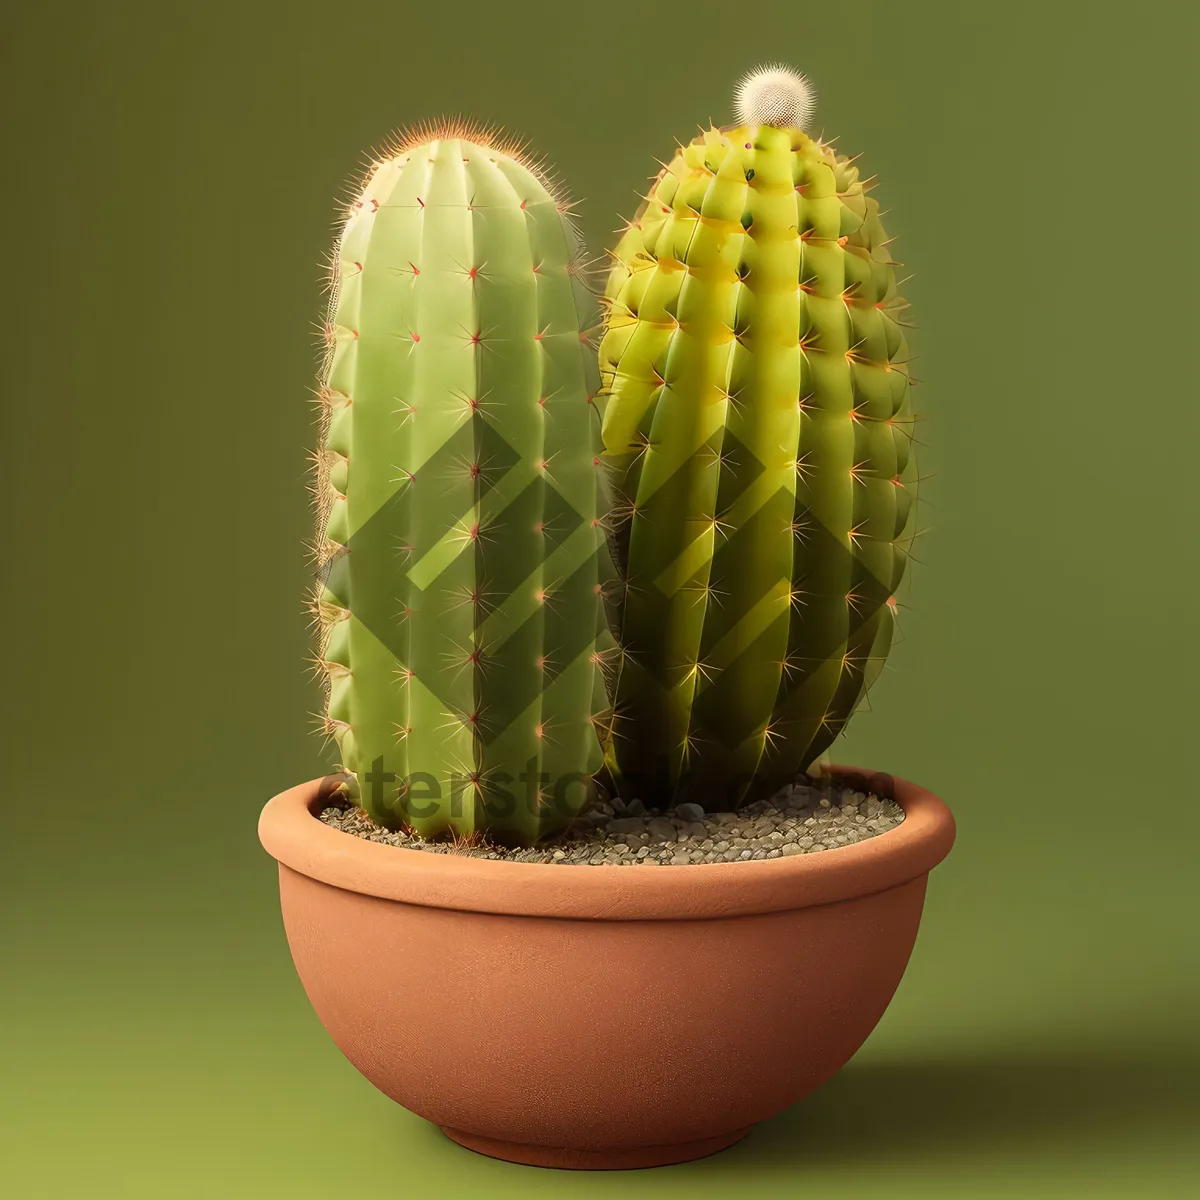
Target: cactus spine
x=459, y=604
x=756, y=436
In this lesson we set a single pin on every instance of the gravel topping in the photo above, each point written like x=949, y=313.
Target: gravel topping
x=800, y=819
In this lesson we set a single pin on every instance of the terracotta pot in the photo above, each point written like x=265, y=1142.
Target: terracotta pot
x=581, y=1016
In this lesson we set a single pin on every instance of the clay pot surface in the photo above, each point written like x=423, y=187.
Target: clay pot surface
x=600, y=1016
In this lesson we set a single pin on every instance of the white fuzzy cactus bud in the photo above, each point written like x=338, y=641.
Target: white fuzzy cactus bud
x=774, y=95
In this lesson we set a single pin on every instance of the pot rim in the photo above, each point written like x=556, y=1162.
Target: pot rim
x=292, y=832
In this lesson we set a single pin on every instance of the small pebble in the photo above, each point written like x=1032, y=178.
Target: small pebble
x=661, y=830
x=626, y=825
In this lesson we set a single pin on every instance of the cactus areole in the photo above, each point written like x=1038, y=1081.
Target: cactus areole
x=757, y=433
x=459, y=603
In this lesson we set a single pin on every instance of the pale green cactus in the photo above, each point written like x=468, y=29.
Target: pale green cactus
x=457, y=493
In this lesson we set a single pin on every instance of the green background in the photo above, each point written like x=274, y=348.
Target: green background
x=171, y=172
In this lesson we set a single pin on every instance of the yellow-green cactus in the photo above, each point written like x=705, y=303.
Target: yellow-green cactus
x=757, y=434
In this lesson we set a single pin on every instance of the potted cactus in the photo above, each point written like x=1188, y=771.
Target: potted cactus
x=586, y=626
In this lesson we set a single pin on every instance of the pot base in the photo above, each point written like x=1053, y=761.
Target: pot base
x=594, y=1160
